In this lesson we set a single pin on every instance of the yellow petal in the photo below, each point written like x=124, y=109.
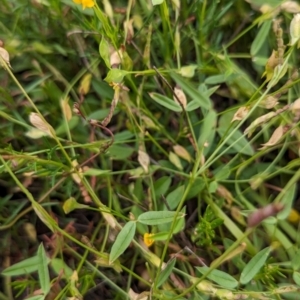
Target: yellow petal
x=87, y=3
x=147, y=239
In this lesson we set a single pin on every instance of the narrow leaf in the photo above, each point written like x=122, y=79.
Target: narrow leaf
x=157, y=2
x=24, y=267
x=296, y=277
x=104, y=51
x=208, y=127
x=166, y=102
x=123, y=240
x=37, y=297
x=58, y=265
x=175, y=196
x=287, y=202
x=157, y=217
x=162, y=185
x=295, y=262
x=43, y=272
x=165, y=273
x=261, y=37
x=237, y=141
x=221, y=278
x=254, y=265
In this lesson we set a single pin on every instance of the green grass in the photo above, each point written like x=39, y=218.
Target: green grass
x=135, y=188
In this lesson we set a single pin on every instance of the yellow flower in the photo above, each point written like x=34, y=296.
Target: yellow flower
x=294, y=216
x=85, y=3
x=147, y=239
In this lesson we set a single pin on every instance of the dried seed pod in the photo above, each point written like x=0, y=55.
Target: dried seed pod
x=290, y=7
x=261, y=214
x=5, y=56
x=240, y=114
x=276, y=137
x=179, y=97
x=39, y=123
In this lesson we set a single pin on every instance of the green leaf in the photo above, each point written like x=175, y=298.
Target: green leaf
x=194, y=104
x=120, y=152
x=44, y=216
x=254, y=265
x=24, y=267
x=158, y=217
x=58, y=265
x=174, y=197
x=157, y=2
x=127, y=63
x=208, y=127
x=104, y=51
x=180, y=223
x=188, y=71
x=213, y=186
x=197, y=186
x=217, y=79
x=160, y=236
x=287, y=201
x=295, y=262
x=261, y=37
x=115, y=75
x=221, y=278
x=161, y=186
x=165, y=273
x=237, y=141
x=188, y=88
x=122, y=241
x=95, y=172
x=296, y=277
x=5, y=96
x=38, y=297
x=43, y=272
x=222, y=173
x=166, y=102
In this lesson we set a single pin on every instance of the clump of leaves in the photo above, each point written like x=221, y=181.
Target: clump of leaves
x=204, y=231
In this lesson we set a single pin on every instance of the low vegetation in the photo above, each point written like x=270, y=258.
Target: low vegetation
x=149, y=149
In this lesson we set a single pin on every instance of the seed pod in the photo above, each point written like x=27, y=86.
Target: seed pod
x=240, y=114
x=261, y=214
x=295, y=29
